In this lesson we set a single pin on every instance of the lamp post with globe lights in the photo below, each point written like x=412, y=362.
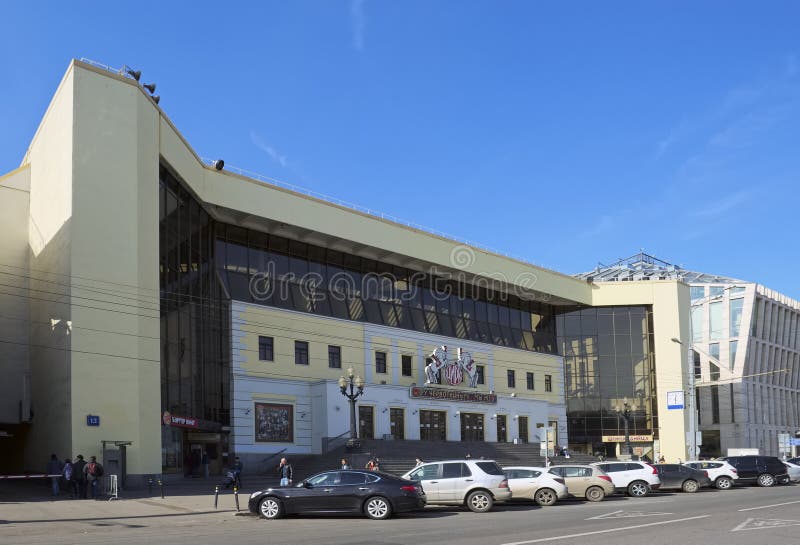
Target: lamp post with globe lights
x=351, y=387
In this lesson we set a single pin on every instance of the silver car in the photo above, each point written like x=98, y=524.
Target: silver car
x=474, y=483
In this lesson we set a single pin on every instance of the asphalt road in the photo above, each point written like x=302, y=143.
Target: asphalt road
x=744, y=515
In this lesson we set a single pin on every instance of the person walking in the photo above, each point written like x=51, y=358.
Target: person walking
x=66, y=474
x=345, y=465
x=54, y=467
x=79, y=477
x=238, y=467
x=286, y=472
x=93, y=472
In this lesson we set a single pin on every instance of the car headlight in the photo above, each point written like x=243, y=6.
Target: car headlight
x=254, y=494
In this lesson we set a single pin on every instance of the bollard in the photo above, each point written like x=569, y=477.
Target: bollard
x=149, y=487
x=161, y=486
x=216, y=496
x=236, y=497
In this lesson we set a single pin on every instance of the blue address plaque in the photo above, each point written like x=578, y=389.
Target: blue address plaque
x=92, y=420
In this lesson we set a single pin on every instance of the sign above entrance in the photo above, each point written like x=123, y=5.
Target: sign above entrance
x=468, y=396
x=633, y=438
x=179, y=421
x=453, y=371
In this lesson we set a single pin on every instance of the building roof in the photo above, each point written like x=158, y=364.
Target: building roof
x=644, y=266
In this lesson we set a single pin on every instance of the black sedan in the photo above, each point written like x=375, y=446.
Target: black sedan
x=372, y=493
x=681, y=477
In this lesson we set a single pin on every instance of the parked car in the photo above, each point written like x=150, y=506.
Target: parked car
x=793, y=470
x=374, y=494
x=634, y=478
x=721, y=473
x=681, y=477
x=762, y=470
x=582, y=481
x=476, y=484
x=795, y=461
x=535, y=483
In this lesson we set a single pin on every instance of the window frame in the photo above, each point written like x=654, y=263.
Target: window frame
x=300, y=348
x=381, y=364
x=262, y=348
x=334, y=349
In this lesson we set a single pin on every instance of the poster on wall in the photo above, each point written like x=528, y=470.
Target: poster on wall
x=274, y=423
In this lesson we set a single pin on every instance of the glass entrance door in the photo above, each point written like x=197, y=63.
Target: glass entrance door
x=433, y=425
x=397, y=423
x=366, y=422
x=471, y=427
x=502, y=434
x=523, y=429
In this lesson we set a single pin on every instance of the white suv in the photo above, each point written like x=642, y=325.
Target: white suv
x=476, y=484
x=635, y=478
x=721, y=473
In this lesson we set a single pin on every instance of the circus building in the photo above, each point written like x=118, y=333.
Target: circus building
x=187, y=307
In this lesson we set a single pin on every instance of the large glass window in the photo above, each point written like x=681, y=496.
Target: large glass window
x=697, y=292
x=715, y=404
x=715, y=291
x=697, y=323
x=736, y=316
x=265, y=349
x=715, y=328
x=734, y=345
x=334, y=357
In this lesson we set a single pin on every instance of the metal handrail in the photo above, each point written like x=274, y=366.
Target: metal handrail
x=268, y=458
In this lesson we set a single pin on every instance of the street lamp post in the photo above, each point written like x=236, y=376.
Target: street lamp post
x=352, y=386
x=625, y=412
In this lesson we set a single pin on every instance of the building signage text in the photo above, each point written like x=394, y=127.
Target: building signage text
x=633, y=438
x=179, y=421
x=452, y=395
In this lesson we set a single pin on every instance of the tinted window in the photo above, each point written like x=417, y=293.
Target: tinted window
x=373, y=478
x=577, y=472
x=353, y=478
x=557, y=471
x=612, y=468
x=426, y=472
x=324, y=479
x=695, y=466
x=452, y=471
x=489, y=468
x=633, y=467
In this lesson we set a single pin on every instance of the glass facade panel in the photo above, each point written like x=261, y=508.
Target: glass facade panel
x=734, y=345
x=715, y=328
x=697, y=292
x=736, y=306
x=697, y=323
x=608, y=356
x=714, y=291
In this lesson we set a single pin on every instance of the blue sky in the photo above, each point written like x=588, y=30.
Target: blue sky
x=567, y=133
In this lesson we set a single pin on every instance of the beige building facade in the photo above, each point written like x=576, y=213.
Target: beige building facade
x=181, y=309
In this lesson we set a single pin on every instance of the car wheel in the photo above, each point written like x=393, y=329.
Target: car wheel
x=480, y=501
x=690, y=486
x=765, y=479
x=270, y=508
x=378, y=508
x=545, y=497
x=723, y=483
x=595, y=493
x=638, y=489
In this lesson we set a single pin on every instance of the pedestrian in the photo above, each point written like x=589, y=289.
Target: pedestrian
x=238, y=467
x=79, y=478
x=93, y=472
x=54, y=467
x=468, y=456
x=377, y=464
x=662, y=460
x=286, y=472
x=370, y=465
x=205, y=464
x=345, y=465
x=66, y=474
x=418, y=462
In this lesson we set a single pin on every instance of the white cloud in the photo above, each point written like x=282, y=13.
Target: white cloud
x=269, y=150
x=359, y=21
x=722, y=206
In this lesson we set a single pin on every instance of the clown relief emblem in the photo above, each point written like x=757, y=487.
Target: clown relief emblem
x=454, y=372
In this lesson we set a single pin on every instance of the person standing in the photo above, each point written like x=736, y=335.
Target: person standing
x=93, y=472
x=345, y=465
x=238, y=467
x=66, y=474
x=419, y=462
x=286, y=472
x=54, y=467
x=79, y=477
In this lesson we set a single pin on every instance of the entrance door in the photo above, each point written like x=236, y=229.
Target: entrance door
x=366, y=422
x=523, y=429
x=397, y=423
x=433, y=425
x=502, y=434
x=471, y=427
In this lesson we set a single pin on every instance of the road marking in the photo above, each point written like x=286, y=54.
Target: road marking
x=761, y=524
x=541, y=540
x=768, y=506
x=621, y=514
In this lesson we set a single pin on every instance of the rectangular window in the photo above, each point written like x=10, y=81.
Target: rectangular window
x=697, y=292
x=512, y=380
x=334, y=357
x=380, y=362
x=405, y=361
x=265, y=350
x=300, y=353
x=736, y=316
x=714, y=291
x=697, y=323
x=529, y=380
x=548, y=383
x=696, y=361
x=713, y=351
x=714, y=371
x=715, y=404
x=715, y=329
x=481, y=370
x=733, y=347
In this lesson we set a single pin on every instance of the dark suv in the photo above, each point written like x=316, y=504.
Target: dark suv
x=762, y=470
